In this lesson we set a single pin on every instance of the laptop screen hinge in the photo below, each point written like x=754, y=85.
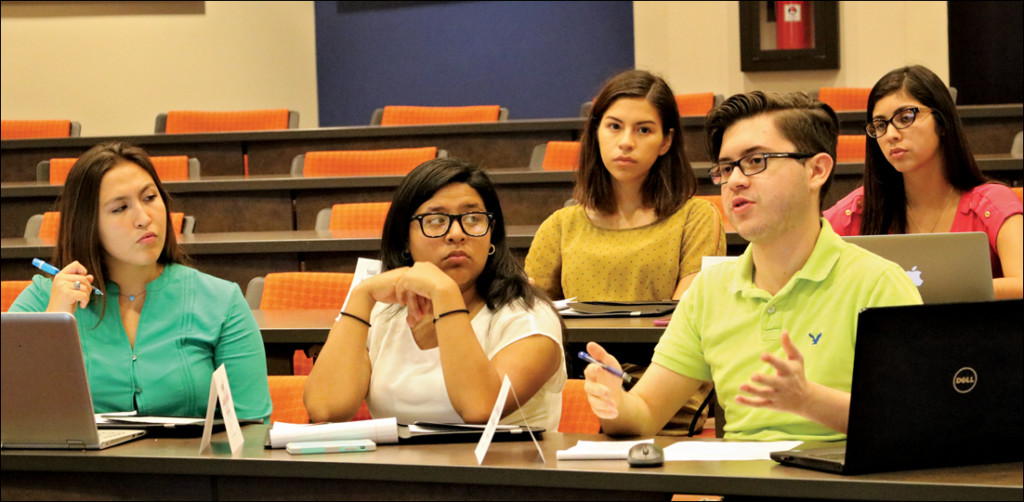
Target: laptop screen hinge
x=75, y=444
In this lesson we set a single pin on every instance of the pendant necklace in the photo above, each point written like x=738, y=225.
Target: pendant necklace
x=939, y=218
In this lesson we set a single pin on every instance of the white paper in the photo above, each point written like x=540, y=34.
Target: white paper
x=710, y=261
x=492, y=422
x=730, y=450
x=380, y=431
x=599, y=450
x=561, y=305
x=365, y=267
x=110, y=418
x=220, y=390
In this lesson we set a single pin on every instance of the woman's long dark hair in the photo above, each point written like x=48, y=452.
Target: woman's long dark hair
x=78, y=237
x=502, y=280
x=670, y=182
x=885, y=199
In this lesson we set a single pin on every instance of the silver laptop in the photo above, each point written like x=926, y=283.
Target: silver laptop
x=933, y=385
x=946, y=267
x=46, y=402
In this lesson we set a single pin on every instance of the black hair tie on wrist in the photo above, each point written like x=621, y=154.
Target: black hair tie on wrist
x=360, y=319
x=450, y=312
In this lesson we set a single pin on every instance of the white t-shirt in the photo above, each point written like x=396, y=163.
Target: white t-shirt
x=407, y=382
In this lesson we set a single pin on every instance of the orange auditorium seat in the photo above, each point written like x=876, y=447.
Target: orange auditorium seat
x=369, y=216
x=561, y=156
x=9, y=291
x=397, y=161
x=1020, y=194
x=576, y=413
x=695, y=104
x=192, y=121
x=844, y=98
x=413, y=115
x=286, y=395
x=32, y=129
x=851, y=148
x=303, y=291
x=169, y=168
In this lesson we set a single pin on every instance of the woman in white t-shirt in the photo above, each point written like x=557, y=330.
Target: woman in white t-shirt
x=452, y=313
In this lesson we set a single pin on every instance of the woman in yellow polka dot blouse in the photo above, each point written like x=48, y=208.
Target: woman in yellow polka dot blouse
x=636, y=234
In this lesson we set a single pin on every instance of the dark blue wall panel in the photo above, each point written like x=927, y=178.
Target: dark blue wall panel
x=538, y=59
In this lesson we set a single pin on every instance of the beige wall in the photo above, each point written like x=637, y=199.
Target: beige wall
x=695, y=45
x=114, y=66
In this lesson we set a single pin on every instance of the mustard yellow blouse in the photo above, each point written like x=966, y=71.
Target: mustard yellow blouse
x=572, y=257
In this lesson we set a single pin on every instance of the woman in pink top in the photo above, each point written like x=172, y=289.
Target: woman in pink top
x=920, y=177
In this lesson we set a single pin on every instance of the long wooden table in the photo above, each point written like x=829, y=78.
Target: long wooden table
x=172, y=468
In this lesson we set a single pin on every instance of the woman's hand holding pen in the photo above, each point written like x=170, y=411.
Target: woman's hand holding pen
x=604, y=390
x=71, y=286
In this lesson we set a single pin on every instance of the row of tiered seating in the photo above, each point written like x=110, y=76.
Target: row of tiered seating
x=191, y=121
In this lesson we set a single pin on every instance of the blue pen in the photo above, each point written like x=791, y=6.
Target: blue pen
x=50, y=269
x=626, y=378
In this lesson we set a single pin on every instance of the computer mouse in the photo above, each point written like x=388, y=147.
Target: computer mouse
x=646, y=455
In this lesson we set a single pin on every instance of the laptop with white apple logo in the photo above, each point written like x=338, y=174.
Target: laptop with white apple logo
x=945, y=267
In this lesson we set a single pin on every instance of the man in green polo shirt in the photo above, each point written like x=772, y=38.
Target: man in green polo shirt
x=774, y=330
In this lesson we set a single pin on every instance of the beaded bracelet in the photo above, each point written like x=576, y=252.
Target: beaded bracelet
x=360, y=319
x=450, y=312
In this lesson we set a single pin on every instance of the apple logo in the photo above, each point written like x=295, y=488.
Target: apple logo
x=915, y=276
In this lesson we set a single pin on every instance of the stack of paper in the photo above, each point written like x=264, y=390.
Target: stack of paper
x=380, y=431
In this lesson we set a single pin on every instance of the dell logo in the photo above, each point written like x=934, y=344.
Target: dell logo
x=964, y=380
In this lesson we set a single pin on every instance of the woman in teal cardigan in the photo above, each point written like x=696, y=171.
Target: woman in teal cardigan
x=153, y=339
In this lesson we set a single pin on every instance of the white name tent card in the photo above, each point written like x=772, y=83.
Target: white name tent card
x=492, y=422
x=221, y=391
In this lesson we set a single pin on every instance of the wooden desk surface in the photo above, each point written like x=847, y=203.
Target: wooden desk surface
x=300, y=328
x=172, y=468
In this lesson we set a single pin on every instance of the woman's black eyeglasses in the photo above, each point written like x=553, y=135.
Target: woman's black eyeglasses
x=473, y=224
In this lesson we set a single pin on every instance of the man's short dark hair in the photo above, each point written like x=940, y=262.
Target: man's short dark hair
x=812, y=126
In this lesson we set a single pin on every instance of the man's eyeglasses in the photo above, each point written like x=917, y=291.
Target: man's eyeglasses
x=902, y=119
x=750, y=165
x=474, y=224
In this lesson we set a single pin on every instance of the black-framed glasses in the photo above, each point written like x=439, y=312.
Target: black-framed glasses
x=751, y=164
x=902, y=119
x=473, y=224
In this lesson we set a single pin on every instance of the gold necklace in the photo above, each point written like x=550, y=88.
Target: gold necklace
x=942, y=211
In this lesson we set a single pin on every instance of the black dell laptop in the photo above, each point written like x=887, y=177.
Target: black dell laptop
x=933, y=385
